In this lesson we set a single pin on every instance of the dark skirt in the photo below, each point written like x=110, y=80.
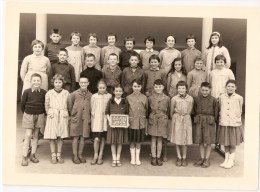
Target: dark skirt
x=136, y=135
x=204, y=130
x=117, y=135
x=99, y=134
x=228, y=135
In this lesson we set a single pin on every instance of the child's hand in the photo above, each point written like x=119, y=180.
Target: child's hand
x=50, y=115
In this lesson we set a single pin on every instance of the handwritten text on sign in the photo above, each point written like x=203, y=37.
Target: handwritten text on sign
x=118, y=120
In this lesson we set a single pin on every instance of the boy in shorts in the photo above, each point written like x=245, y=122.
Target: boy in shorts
x=32, y=106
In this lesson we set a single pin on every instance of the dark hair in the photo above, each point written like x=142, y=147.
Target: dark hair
x=134, y=54
x=35, y=42
x=205, y=84
x=137, y=81
x=165, y=40
x=129, y=39
x=111, y=34
x=158, y=82
x=220, y=39
x=63, y=49
x=220, y=57
x=102, y=81
x=55, y=30
x=182, y=83
x=113, y=95
x=91, y=55
x=83, y=76
x=75, y=33
x=149, y=38
x=231, y=81
x=113, y=54
x=191, y=36
x=36, y=75
x=93, y=35
x=172, y=70
x=154, y=57
x=198, y=59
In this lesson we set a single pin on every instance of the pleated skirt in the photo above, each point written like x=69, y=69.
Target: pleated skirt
x=136, y=135
x=228, y=135
x=117, y=135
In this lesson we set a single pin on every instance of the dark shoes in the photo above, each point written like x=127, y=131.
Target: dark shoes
x=198, y=163
x=206, y=163
x=94, y=162
x=34, y=159
x=82, y=159
x=184, y=163
x=24, y=161
x=178, y=162
x=60, y=160
x=153, y=161
x=159, y=162
x=75, y=159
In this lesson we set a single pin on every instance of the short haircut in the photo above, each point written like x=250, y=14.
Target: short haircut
x=111, y=34
x=113, y=54
x=149, y=38
x=129, y=39
x=182, y=83
x=205, y=84
x=35, y=42
x=137, y=81
x=231, y=81
x=55, y=31
x=36, y=75
x=63, y=49
x=154, y=57
x=91, y=55
x=134, y=54
x=220, y=57
x=76, y=34
x=191, y=36
x=83, y=76
x=165, y=40
x=59, y=77
x=158, y=82
x=198, y=59
x=93, y=35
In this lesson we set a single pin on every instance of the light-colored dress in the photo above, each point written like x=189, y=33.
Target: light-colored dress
x=57, y=104
x=98, y=107
x=172, y=80
x=210, y=55
x=35, y=64
x=194, y=80
x=167, y=56
x=75, y=59
x=218, y=79
x=180, y=131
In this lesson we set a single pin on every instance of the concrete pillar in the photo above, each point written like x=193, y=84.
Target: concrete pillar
x=207, y=27
x=41, y=27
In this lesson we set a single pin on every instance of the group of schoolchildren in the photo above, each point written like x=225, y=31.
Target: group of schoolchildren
x=170, y=95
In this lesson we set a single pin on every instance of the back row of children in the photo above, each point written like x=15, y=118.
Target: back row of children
x=113, y=76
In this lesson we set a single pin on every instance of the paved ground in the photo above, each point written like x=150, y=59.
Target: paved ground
x=146, y=169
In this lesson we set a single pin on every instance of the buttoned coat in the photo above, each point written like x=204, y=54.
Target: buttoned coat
x=159, y=112
x=138, y=108
x=80, y=113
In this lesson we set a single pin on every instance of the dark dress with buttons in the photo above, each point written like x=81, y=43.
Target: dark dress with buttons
x=159, y=112
x=206, y=114
x=117, y=135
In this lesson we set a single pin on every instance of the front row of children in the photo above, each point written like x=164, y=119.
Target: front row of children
x=79, y=113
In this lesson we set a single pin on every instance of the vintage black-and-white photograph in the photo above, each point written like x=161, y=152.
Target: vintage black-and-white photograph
x=130, y=95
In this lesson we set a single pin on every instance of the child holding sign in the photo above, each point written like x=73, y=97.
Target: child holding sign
x=116, y=136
